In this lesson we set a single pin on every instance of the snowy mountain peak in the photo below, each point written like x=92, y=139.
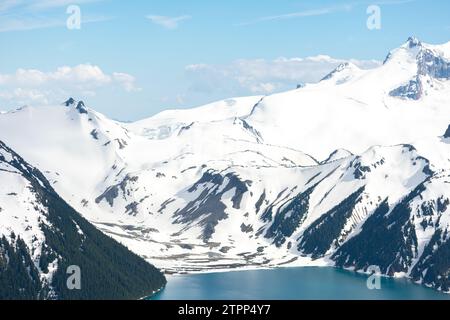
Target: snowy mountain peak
x=424, y=64
x=81, y=107
x=78, y=105
x=406, y=53
x=338, y=155
x=69, y=102
x=413, y=42
x=422, y=54
x=342, y=73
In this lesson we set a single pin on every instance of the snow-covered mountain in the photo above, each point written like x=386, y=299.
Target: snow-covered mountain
x=352, y=171
x=41, y=236
x=403, y=100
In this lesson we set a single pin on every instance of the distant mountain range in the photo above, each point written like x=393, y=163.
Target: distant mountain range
x=352, y=171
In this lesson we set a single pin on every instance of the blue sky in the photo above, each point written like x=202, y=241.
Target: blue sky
x=132, y=59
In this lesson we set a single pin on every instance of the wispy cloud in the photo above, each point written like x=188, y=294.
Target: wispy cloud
x=22, y=24
x=299, y=14
x=35, y=5
x=346, y=7
x=21, y=15
x=34, y=23
x=9, y=4
x=168, y=22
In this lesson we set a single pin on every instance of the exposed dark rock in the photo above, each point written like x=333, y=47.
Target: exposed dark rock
x=81, y=108
x=412, y=90
x=260, y=202
x=132, y=208
x=186, y=246
x=447, y=133
x=207, y=209
x=112, y=192
x=257, y=105
x=413, y=42
x=388, y=57
x=361, y=170
x=165, y=204
x=94, y=134
x=433, y=65
x=69, y=102
x=187, y=169
x=122, y=143
x=339, y=68
x=225, y=249
x=186, y=128
x=268, y=213
x=250, y=129
x=246, y=228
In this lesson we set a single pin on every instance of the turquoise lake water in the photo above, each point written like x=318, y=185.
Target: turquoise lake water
x=291, y=284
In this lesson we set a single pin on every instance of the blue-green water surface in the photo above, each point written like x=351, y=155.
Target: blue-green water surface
x=291, y=284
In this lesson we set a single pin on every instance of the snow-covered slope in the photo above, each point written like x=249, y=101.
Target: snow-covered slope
x=351, y=171
x=405, y=99
x=41, y=236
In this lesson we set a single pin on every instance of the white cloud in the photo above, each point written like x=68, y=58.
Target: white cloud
x=265, y=88
x=260, y=76
x=30, y=86
x=22, y=96
x=168, y=22
x=126, y=80
x=83, y=74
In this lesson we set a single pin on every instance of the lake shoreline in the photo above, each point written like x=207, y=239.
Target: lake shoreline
x=220, y=276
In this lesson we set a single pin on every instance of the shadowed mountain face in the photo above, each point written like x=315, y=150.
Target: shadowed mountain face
x=42, y=236
x=316, y=176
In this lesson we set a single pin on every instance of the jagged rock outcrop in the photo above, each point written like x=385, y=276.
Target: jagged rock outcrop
x=447, y=133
